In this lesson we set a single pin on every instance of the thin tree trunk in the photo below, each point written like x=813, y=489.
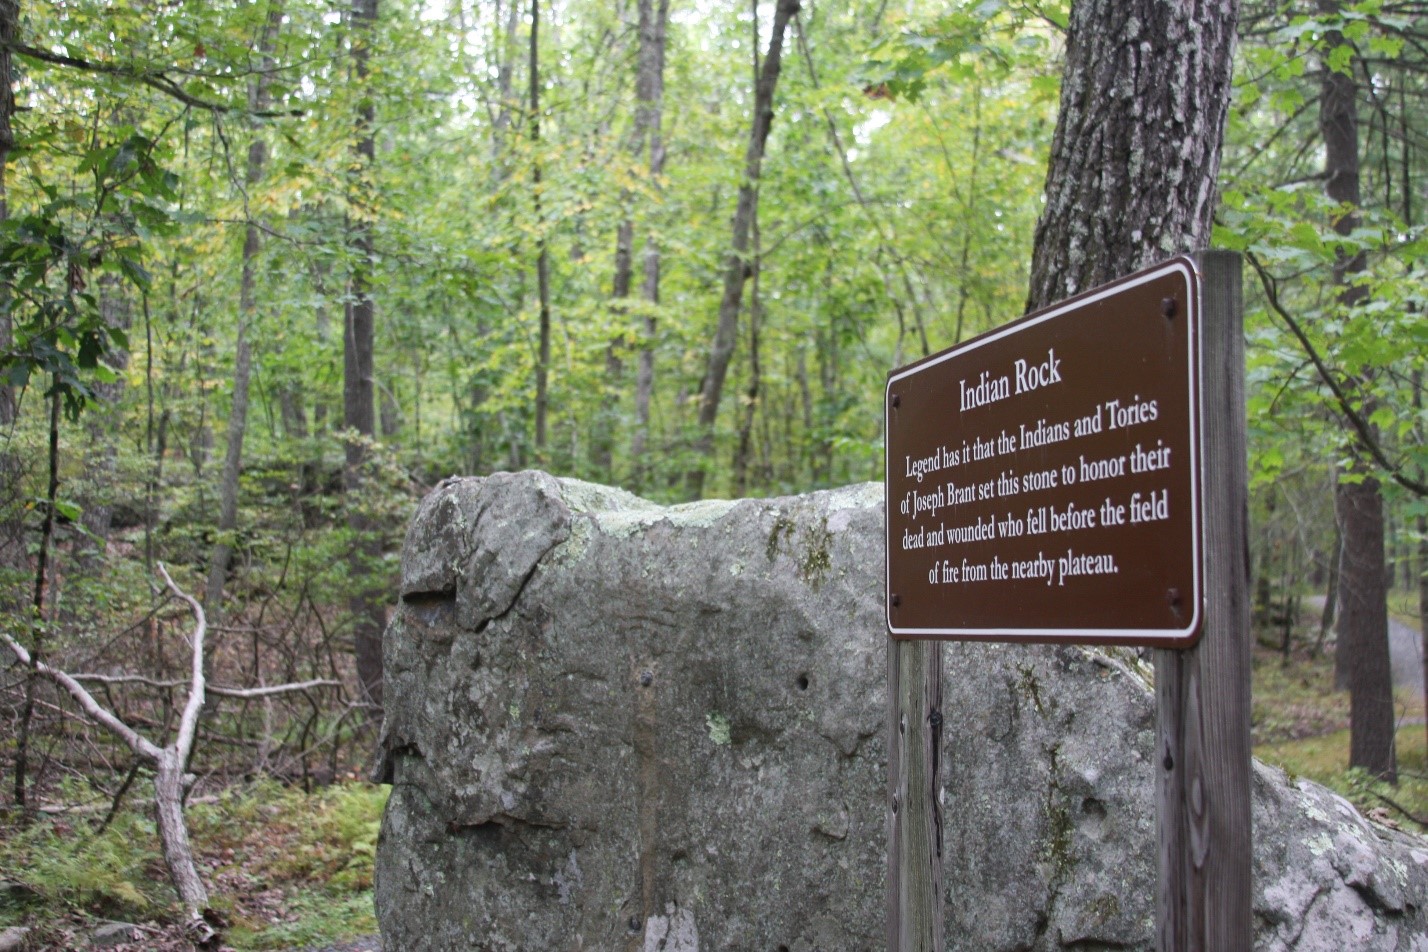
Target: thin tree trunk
x=222, y=552
x=12, y=531
x=1358, y=504
x=649, y=91
x=744, y=449
x=37, y=609
x=358, y=404
x=1331, y=606
x=737, y=268
x=542, y=369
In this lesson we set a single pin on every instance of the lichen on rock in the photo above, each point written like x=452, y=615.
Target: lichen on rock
x=616, y=725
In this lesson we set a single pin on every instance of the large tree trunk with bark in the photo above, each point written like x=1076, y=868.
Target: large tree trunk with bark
x=1358, y=504
x=737, y=270
x=1131, y=179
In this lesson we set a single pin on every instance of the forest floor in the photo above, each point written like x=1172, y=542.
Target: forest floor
x=1301, y=724
x=291, y=872
x=286, y=870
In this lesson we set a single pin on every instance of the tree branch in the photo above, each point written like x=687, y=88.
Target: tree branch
x=157, y=79
x=1367, y=440
x=214, y=689
x=188, y=723
x=86, y=701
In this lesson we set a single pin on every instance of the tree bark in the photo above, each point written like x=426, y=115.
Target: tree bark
x=737, y=267
x=1144, y=95
x=649, y=91
x=12, y=535
x=542, y=369
x=358, y=404
x=1131, y=180
x=1358, y=504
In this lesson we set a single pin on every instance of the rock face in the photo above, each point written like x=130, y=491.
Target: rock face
x=618, y=726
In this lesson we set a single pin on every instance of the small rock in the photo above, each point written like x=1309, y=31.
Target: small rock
x=114, y=933
x=13, y=938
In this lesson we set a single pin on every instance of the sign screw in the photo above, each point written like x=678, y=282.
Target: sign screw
x=1168, y=307
x=1172, y=598
x=896, y=400
x=896, y=601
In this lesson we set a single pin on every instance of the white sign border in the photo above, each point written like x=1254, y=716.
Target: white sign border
x=1164, y=637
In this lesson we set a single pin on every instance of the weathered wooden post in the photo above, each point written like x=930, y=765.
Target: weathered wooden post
x=914, y=808
x=1078, y=476
x=1204, y=901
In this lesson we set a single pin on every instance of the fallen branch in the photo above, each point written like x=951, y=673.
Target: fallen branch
x=215, y=689
x=168, y=761
x=1421, y=821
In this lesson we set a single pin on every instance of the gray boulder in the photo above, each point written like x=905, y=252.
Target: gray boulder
x=616, y=725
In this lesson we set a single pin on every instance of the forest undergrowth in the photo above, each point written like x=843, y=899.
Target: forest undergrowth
x=1300, y=723
x=292, y=868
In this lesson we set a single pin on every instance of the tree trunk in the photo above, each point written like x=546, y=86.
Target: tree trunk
x=649, y=91
x=37, y=608
x=1331, y=606
x=358, y=405
x=744, y=449
x=1358, y=505
x=101, y=454
x=222, y=552
x=1363, y=628
x=737, y=270
x=1131, y=180
x=12, y=535
x=542, y=370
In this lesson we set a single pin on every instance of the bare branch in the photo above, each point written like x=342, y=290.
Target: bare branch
x=188, y=724
x=214, y=689
x=86, y=701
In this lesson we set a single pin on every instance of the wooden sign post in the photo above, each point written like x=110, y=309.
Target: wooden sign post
x=1078, y=476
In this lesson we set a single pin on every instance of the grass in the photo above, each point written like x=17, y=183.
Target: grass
x=1325, y=759
x=1300, y=723
x=284, y=869
x=1403, y=605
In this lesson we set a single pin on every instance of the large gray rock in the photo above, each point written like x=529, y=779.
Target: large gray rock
x=614, y=725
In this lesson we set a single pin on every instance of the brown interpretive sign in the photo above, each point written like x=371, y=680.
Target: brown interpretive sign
x=1043, y=478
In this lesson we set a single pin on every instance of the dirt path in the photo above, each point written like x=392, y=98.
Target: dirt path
x=1405, y=649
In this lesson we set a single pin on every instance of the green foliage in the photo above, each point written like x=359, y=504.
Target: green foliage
x=65, y=865
x=279, y=835
x=298, y=866
x=312, y=920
